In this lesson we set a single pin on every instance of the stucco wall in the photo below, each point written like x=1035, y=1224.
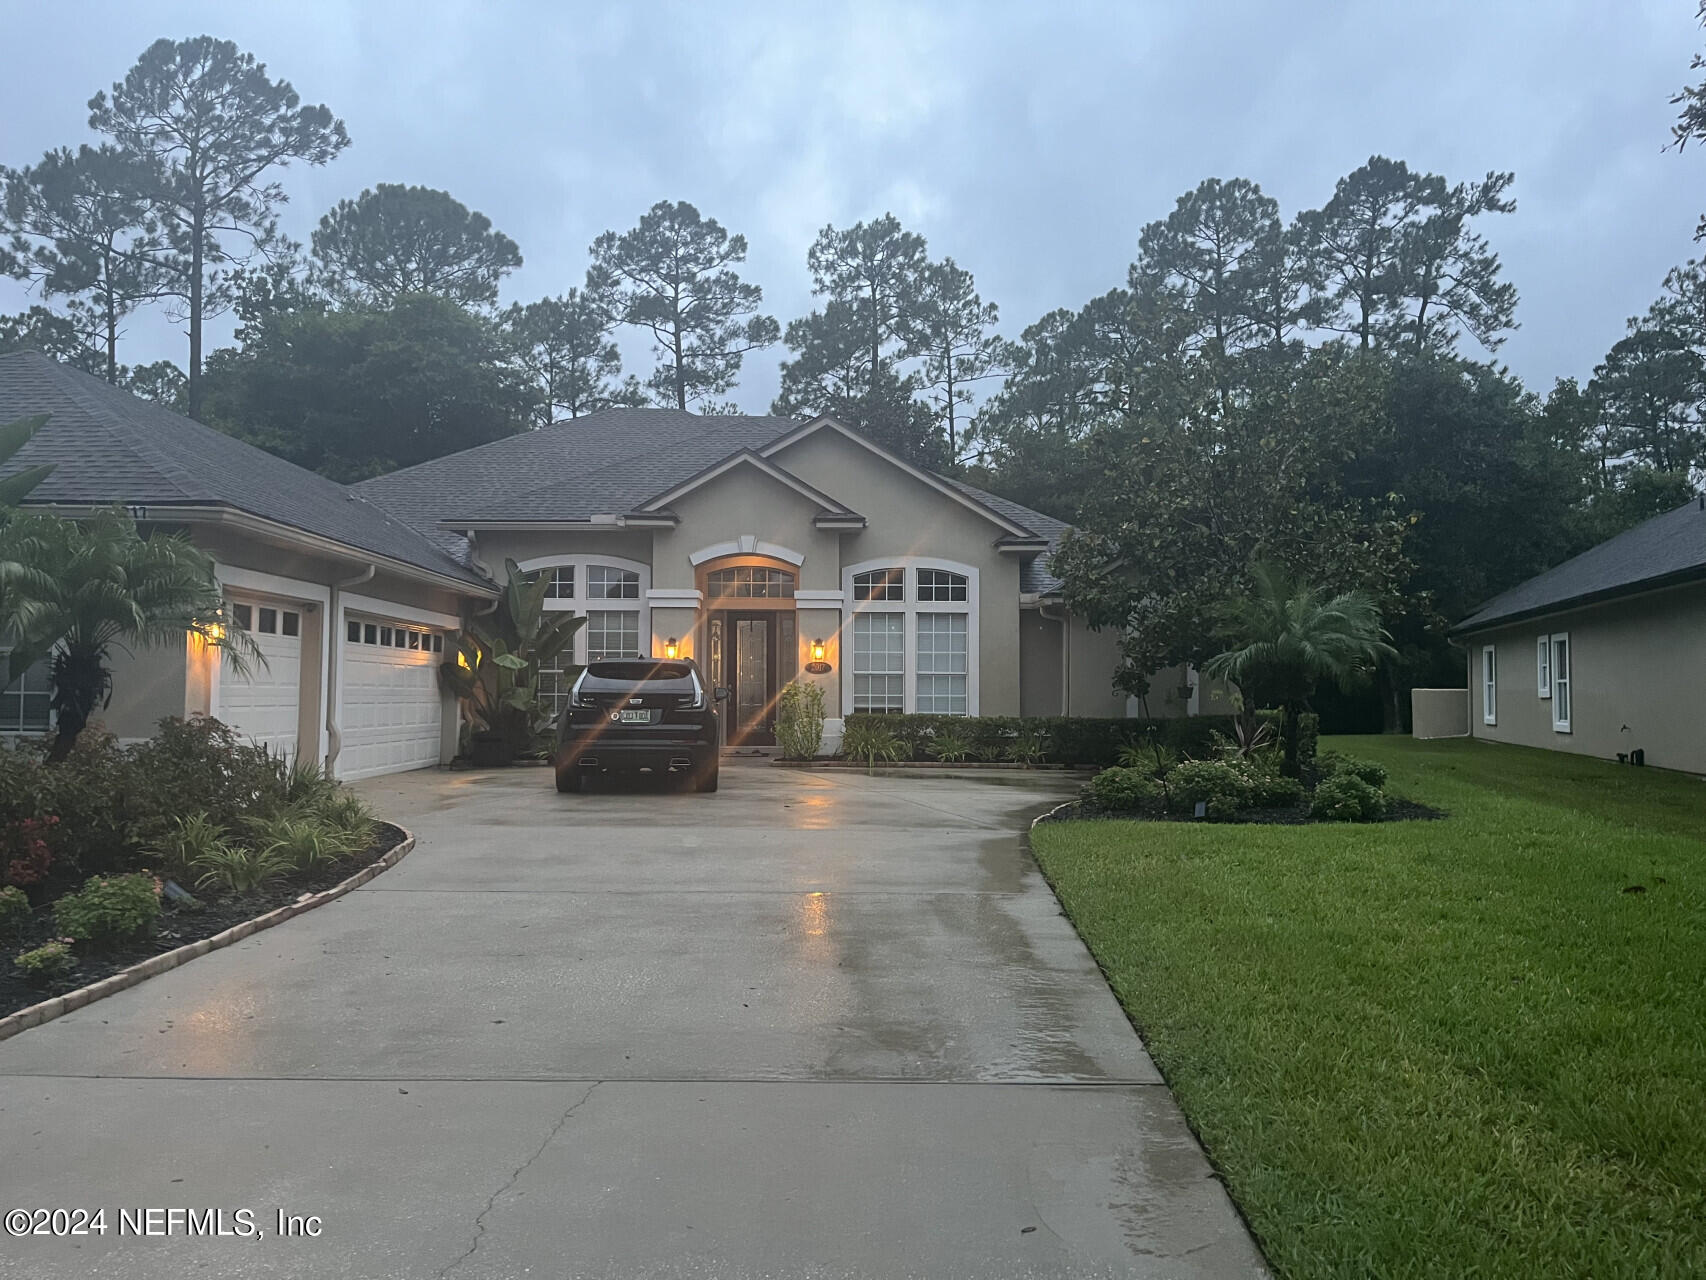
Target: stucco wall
x=908, y=517
x=1040, y=667
x=746, y=502
x=148, y=685
x=1439, y=713
x=1639, y=662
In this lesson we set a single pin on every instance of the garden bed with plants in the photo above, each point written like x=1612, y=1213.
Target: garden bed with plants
x=116, y=854
x=1243, y=785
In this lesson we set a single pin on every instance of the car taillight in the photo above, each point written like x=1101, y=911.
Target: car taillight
x=694, y=701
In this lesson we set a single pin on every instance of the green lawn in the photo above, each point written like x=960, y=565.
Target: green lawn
x=1452, y=1048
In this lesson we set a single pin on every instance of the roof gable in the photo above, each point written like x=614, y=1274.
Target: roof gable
x=964, y=495
x=747, y=458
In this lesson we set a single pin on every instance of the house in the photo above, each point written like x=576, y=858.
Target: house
x=1604, y=655
x=350, y=606
x=767, y=548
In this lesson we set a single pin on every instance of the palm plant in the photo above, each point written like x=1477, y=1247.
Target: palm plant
x=14, y=436
x=496, y=668
x=1286, y=637
x=84, y=588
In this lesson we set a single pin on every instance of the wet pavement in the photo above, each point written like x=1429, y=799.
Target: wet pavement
x=817, y=1024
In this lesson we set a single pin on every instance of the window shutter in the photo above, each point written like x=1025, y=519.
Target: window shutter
x=1543, y=666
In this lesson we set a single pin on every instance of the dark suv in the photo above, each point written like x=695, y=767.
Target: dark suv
x=632, y=714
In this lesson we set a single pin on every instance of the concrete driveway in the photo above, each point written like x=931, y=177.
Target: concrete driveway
x=817, y=1024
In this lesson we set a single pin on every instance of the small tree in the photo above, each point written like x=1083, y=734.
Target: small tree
x=496, y=670
x=87, y=588
x=1285, y=638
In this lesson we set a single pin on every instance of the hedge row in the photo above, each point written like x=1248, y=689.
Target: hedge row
x=1072, y=740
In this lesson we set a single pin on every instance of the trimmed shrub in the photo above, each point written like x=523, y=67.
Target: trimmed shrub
x=201, y=765
x=799, y=720
x=109, y=910
x=1332, y=764
x=1344, y=797
x=1123, y=790
x=14, y=908
x=1220, y=785
x=1089, y=742
x=1274, y=791
x=46, y=963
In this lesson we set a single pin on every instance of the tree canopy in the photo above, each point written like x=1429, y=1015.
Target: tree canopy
x=393, y=239
x=210, y=128
x=672, y=275
x=359, y=391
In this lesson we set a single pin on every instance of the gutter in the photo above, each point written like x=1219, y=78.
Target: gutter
x=1065, y=620
x=334, y=619
x=269, y=531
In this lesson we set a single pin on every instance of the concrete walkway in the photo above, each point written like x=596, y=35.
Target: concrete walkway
x=815, y=1025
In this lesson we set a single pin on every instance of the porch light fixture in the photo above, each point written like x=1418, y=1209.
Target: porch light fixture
x=817, y=650
x=817, y=666
x=671, y=649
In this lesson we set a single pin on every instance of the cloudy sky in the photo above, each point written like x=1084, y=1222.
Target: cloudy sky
x=1029, y=141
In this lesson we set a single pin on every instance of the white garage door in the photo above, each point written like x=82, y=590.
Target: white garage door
x=392, y=709
x=264, y=705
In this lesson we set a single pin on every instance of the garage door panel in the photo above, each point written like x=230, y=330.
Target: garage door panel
x=392, y=708
x=263, y=704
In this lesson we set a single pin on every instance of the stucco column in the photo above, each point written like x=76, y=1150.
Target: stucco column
x=823, y=622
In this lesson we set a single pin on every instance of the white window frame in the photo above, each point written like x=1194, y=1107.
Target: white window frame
x=1543, y=666
x=1489, y=684
x=581, y=604
x=1563, y=686
x=6, y=731
x=911, y=606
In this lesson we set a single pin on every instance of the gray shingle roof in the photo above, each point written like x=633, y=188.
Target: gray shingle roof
x=109, y=446
x=609, y=463
x=1667, y=548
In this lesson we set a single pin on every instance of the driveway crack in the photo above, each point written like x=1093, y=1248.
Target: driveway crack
x=491, y=1200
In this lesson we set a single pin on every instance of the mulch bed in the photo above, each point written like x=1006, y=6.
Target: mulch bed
x=177, y=927
x=1296, y=815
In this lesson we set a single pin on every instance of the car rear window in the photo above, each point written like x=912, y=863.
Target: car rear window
x=637, y=672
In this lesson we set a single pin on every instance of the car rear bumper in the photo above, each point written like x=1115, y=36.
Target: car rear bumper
x=597, y=749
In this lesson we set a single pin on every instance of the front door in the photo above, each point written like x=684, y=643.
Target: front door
x=755, y=651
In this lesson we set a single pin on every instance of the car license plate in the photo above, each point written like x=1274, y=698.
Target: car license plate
x=633, y=717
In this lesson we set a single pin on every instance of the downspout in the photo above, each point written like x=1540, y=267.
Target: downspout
x=1065, y=620
x=334, y=627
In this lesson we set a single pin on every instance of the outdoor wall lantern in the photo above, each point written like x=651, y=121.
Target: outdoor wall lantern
x=671, y=649
x=817, y=666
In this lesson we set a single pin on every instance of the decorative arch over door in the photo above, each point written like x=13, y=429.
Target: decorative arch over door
x=750, y=642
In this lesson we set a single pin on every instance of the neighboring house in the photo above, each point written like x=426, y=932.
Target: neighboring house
x=748, y=543
x=1603, y=655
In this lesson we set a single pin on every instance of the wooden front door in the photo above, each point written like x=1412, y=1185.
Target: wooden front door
x=757, y=653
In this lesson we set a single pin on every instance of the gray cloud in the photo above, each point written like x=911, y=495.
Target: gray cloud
x=1029, y=142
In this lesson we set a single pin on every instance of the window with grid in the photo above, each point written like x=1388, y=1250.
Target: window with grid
x=879, y=584
x=560, y=583
x=879, y=661
x=940, y=585
x=607, y=582
x=24, y=706
x=752, y=581
x=612, y=633
x=942, y=664
x=555, y=678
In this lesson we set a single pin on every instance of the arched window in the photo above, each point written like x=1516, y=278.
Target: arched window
x=912, y=639
x=752, y=582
